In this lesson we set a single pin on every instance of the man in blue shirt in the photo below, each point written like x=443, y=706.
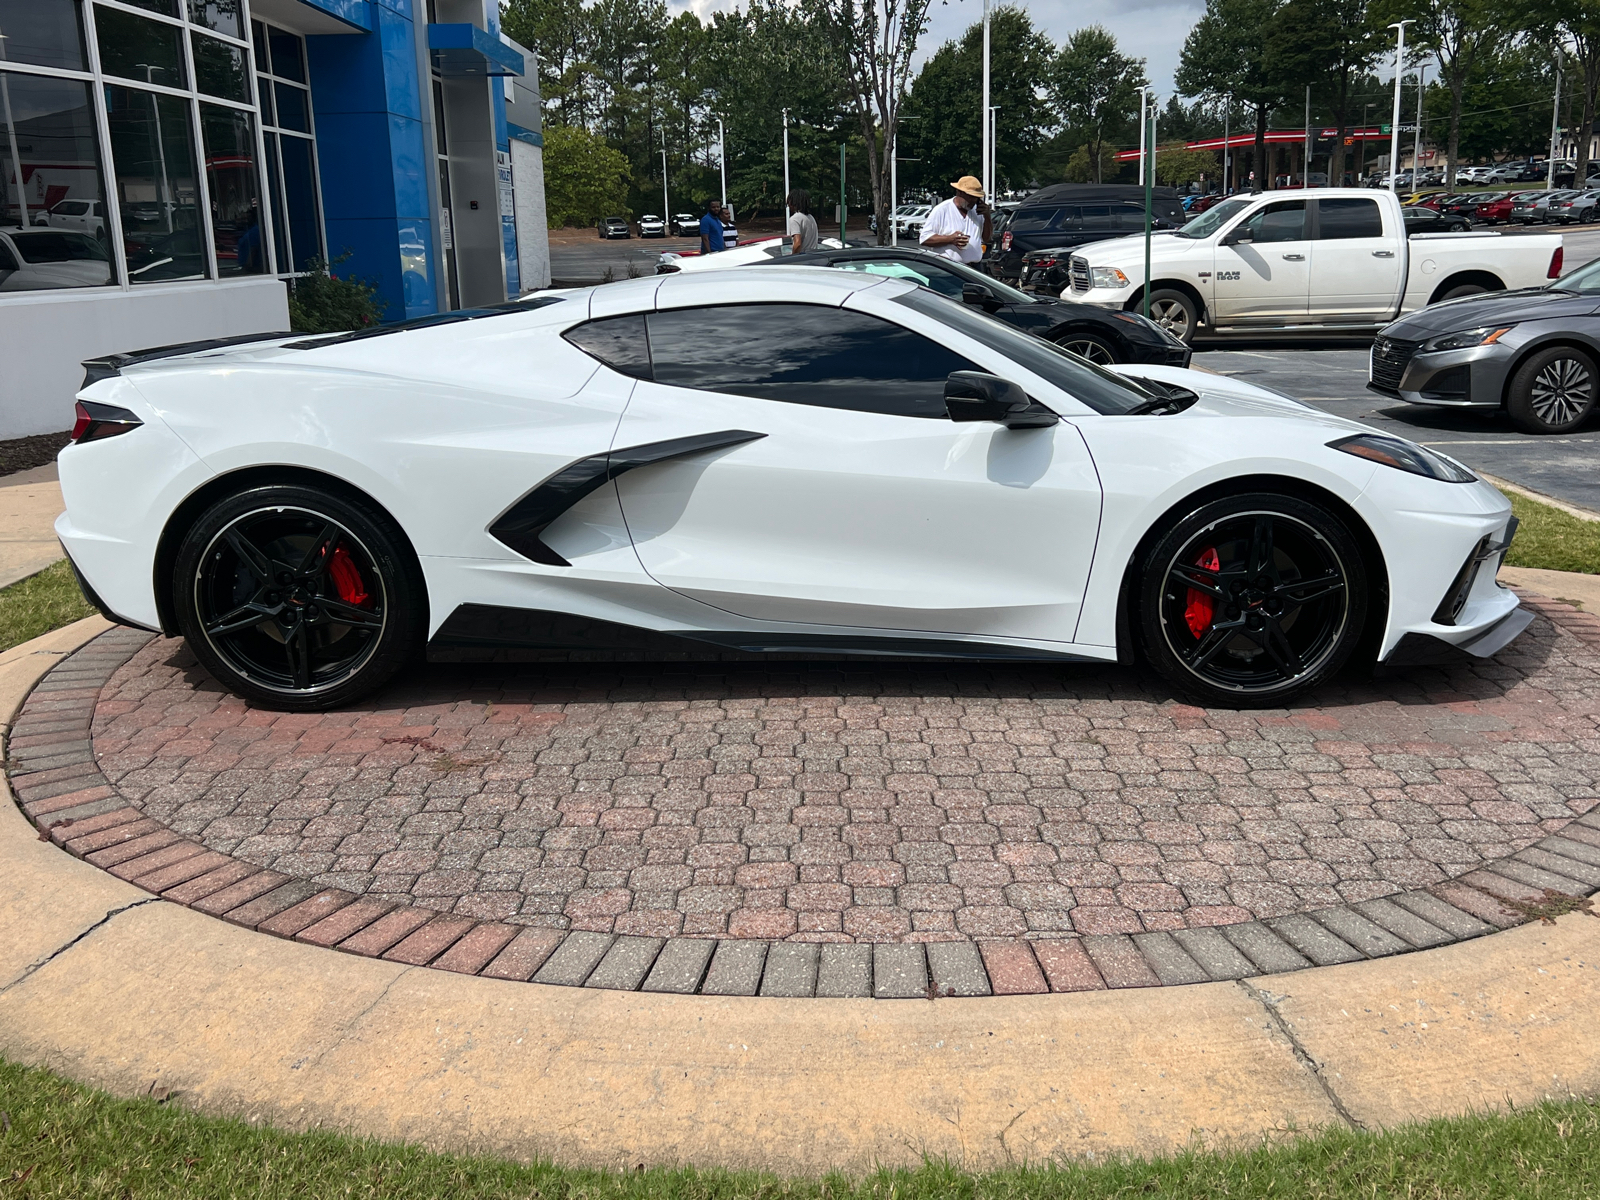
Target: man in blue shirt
x=711, y=229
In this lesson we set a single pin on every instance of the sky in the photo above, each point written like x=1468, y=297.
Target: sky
x=1150, y=29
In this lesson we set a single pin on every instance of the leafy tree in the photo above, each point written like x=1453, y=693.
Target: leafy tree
x=1086, y=167
x=1095, y=88
x=1327, y=44
x=585, y=179
x=944, y=131
x=1574, y=25
x=1177, y=166
x=1226, y=54
x=561, y=34
x=1505, y=106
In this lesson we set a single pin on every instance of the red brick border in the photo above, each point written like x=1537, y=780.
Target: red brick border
x=61, y=790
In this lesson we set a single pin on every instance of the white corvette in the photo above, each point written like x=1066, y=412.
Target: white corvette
x=783, y=461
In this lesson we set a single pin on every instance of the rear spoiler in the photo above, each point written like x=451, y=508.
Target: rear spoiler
x=109, y=365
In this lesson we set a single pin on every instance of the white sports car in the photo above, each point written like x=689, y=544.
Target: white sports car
x=783, y=461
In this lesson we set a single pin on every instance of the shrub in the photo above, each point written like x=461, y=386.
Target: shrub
x=321, y=302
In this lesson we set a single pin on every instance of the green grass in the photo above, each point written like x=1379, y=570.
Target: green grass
x=1553, y=540
x=62, y=1140
x=39, y=604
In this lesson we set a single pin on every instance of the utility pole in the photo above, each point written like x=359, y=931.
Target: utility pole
x=1147, y=137
x=1555, y=129
x=844, y=213
x=988, y=184
x=1394, y=125
x=11, y=135
x=1416, y=139
x=786, y=211
x=722, y=162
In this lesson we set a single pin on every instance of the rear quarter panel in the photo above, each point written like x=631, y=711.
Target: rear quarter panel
x=1518, y=262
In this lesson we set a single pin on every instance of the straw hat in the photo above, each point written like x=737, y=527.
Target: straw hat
x=970, y=185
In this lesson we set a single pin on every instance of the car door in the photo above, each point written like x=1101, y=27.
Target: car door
x=1357, y=269
x=836, y=492
x=1262, y=268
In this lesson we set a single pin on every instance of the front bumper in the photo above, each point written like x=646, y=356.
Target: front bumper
x=1472, y=378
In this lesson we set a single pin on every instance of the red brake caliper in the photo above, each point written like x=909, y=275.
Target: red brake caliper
x=347, y=579
x=1200, y=608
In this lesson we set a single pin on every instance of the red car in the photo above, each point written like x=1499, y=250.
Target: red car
x=1492, y=210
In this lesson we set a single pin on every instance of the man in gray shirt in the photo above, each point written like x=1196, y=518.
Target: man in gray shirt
x=802, y=227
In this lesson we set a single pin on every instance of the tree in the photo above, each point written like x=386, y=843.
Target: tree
x=1177, y=166
x=1457, y=33
x=1575, y=25
x=1095, y=89
x=876, y=39
x=943, y=132
x=585, y=179
x=1226, y=54
x=560, y=34
x=1327, y=44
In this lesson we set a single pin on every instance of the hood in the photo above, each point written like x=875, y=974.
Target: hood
x=1491, y=308
x=1116, y=251
x=1224, y=397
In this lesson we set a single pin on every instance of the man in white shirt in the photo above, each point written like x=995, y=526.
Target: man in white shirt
x=953, y=228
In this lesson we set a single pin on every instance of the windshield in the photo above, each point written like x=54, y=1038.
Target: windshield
x=1585, y=280
x=1102, y=390
x=1214, y=219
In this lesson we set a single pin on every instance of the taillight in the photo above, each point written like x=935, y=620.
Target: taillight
x=1555, y=265
x=1005, y=241
x=96, y=421
x=1040, y=264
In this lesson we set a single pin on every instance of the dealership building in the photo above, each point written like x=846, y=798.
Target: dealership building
x=167, y=166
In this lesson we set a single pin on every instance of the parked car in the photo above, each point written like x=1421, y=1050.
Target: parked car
x=83, y=216
x=651, y=225
x=862, y=467
x=686, y=225
x=911, y=223
x=1539, y=213
x=1473, y=175
x=1572, y=208
x=1339, y=260
x=1070, y=214
x=672, y=262
x=36, y=259
x=614, y=227
x=1430, y=220
x=1493, y=209
x=1534, y=353
x=1093, y=333
x=1523, y=205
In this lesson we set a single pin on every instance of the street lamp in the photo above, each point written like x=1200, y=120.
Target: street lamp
x=1394, y=125
x=11, y=134
x=666, y=205
x=1555, y=129
x=722, y=162
x=894, y=179
x=992, y=165
x=1226, y=113
x=988, y=184
x=1416, y=137
x=786, y=211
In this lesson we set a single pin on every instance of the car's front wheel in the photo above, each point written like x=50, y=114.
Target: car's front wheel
x=1252, y=600
x=1176, y=312
x=1092, y=346
x=1554, y=391
x=297, y=598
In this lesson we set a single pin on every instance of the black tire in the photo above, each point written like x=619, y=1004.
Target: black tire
x=1092, y=346
x=298, y=599
x=1252, y=600
x=1176, y=312
x=1462, y=289
x=1553, y=391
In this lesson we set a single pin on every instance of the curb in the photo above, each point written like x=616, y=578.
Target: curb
x=63, y=793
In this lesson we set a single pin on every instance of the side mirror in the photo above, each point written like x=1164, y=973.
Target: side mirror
x=979, y=396
x=1239, y=233
x=976, y=293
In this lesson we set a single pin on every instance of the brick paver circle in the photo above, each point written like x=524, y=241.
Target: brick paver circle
x=813, y=828
x=811, y=802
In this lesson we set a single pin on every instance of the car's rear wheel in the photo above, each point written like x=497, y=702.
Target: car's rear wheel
x=1176, y=312
x=1554, y=391
x=297, y=598
x=1092, y=346
x=1252, y=600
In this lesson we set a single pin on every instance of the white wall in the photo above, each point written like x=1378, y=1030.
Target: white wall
x=46, y=335
x=533, y=234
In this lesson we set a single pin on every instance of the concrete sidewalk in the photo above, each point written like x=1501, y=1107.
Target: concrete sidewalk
x=30, y=501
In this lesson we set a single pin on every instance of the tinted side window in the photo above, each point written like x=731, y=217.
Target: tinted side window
x=7, y=261
x=803, y=354
x=619, y=342
x=1348, y=218
x=1097, y=218
x=1128, y=217
x=1034, y=220
x=946, y=283
x=1281, y=222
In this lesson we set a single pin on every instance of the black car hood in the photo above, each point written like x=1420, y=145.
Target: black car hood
x=1491, y=308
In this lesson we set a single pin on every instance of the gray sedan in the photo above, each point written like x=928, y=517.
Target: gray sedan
x=1534, y=352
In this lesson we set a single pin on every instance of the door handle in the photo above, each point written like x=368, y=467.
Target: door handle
x=1383, y=254
x=1294, y=257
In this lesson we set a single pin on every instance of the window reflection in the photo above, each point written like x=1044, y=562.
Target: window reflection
x=220, y=69
x=300, y=194
x=55, y=189
x=137, y=48
x=43, y=35
x=157, y=187
x=230, y=142
x=222, y=15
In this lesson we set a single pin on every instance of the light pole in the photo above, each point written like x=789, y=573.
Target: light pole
x=988, y=184
x=666, y=206
x=894, y=179
x=786, y=211
x=1226, y=113
x=1305, y=157
x=722, y=162
x=992, y=166
x=1147, y=168
x=1366, y=117
x=1416, y=138
x=1394, y=125
x=1555, y=128
x=11, y=133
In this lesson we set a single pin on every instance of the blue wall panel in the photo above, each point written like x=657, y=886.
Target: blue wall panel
x=368, y=98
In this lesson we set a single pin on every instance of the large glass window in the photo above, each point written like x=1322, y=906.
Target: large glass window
x=231, y=173
x=136, y=47
x=222, y=15
x=291, y=155
x=157, y=185
x=42, y=34
x=50, y=179
x=803, y=354
x=220, y=68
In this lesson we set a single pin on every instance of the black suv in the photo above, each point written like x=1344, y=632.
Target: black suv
x=1069, y=215
x=1095, y=334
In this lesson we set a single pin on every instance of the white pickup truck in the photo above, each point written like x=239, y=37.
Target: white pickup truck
x=1328, y=260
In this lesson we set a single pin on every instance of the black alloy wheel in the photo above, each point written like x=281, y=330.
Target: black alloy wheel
x=1097, y=349
x=296, y=598
x=1554, y=391
x=1252, y=600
